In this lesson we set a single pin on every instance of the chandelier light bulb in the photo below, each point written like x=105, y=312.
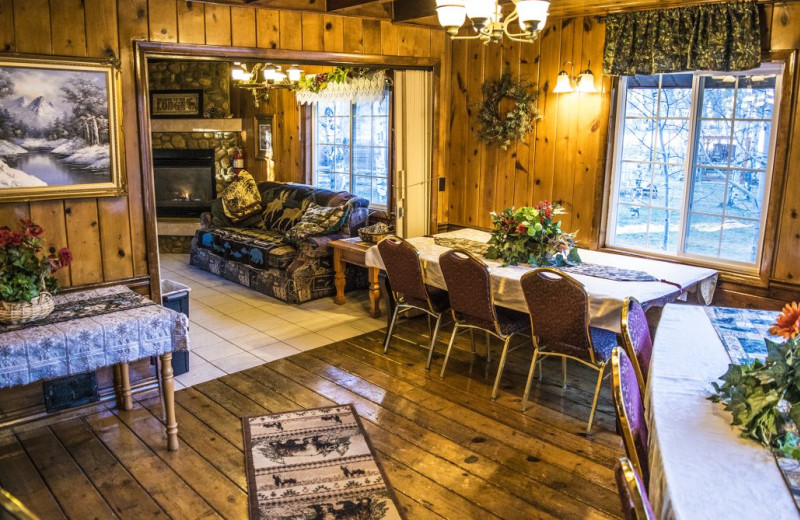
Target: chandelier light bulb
x=532, y=14
x=294, y=73
x=451, y=14
x=240, y=74
x=269, y=73
x=481, y=12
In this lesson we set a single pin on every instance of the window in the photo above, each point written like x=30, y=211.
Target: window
x=351, y=148
x=693, y=164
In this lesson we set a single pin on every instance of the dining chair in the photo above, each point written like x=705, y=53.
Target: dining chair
x=630, y=412
x=632, y=493
x=472, y=305
x=636, y=339
x=12, y=509
x=409, y=288
x=559, y=312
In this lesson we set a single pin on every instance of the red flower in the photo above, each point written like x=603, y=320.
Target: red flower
x=15, y=238
x=64, y=257
x=5, y=236
x=521, y=229
x=32, y=229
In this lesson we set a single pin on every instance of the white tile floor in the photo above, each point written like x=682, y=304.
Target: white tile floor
x=234, y=328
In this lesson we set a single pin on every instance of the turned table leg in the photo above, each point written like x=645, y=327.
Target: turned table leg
x=339, y=278
x=125, y=387
x=168, y=393
x=118, y=385
x=374, y=292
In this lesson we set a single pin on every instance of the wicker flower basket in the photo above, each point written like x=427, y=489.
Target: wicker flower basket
x=14, y=313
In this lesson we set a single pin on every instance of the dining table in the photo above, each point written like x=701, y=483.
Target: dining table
x=670, y=281
x=700, y=465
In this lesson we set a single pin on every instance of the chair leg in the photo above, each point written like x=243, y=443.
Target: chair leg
x=430, y=330
x=563, y=372
x=449, y=348
x=596, y=396
x=500, y=367
x=530, y=379
x=390, y=330
x=472, y=339
x=433, y=341
x=488, y=347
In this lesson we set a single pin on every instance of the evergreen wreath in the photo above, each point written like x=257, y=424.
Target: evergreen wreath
x=517, y=123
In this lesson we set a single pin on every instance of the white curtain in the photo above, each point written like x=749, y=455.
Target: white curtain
x=413, y=123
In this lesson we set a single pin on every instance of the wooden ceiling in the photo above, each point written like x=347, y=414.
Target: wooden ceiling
x=424, y=11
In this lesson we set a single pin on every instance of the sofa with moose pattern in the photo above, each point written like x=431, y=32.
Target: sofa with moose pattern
x=257, y=252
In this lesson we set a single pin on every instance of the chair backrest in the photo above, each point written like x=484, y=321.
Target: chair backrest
x=470, y=288
x=559, y=309
x=632, y=494
x=404, y=270
x=630, y=411
x=12, y=509
x=636, y=339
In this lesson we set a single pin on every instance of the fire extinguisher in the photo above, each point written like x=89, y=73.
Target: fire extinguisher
x=238, y=160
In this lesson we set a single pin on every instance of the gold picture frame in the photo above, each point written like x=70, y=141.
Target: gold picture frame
x=60, y=128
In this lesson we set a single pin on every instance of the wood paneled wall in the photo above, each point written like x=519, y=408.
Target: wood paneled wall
x=107, y=235
x=563, y=160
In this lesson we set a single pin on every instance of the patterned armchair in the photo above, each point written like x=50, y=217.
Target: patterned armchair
x=255, y=253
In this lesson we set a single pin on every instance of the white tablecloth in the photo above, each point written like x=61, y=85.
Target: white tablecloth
x=606, y=296
x=700, y=466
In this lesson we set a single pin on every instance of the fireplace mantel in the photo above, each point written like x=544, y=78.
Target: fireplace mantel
x=197, y=125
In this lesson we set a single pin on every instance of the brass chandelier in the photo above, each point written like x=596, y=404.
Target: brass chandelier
x=260, y=78
x=488, y=22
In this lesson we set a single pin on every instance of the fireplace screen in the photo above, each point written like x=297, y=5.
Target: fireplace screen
x=185, y=182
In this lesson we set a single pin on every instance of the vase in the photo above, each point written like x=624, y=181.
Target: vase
x=15, y=313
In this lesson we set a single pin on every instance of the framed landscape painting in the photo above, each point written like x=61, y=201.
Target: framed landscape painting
x=59, y=129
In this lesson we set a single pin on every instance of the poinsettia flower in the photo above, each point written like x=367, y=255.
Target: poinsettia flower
x=64, y=256
x=788, y=323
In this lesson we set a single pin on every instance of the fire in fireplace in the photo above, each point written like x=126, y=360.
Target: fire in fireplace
x=185, y=182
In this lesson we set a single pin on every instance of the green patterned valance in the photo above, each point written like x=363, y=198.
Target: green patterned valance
x=714, y=37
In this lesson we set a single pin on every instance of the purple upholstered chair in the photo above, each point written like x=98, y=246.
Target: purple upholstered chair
x=559, y=309
x=632, y=494
x=630, y=411
x=470, y=287
x=637, y=340
x=407, y=280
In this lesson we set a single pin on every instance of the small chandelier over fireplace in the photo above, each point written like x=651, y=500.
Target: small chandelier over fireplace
x=260, y=78
x=487, y=19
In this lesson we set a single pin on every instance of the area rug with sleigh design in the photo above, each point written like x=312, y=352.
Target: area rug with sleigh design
x=314, y=465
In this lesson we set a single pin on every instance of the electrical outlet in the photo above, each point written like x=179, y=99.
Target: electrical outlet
x=442, y=183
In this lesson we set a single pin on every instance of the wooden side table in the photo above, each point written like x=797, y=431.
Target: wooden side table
x=353, y=251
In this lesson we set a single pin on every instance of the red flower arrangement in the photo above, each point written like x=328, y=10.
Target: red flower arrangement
x=532, y=235
x=24, y=271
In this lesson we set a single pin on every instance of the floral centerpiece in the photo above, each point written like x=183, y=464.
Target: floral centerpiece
x=532, y=235
x=764, y=397
x=26, y=275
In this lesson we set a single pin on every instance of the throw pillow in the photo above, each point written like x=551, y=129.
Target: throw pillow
x=241, y=198
x=285, y=208
x=318, y=220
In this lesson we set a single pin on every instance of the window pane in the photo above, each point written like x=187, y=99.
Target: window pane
x=362, y=109
x=756, y=98
x=751, y=140
x=380, y=162
x=740, y=240
x=341, y=182
x=363, y=187
x=642, y=96
x=713, y=142
x=667, y=186
x=676, y=96
x=638, y=142
x=380, y=191
x=342, y=159
x=631, y=230
x=708, y=190
x=342, y=129
x=381, y=108
x=745, y=193
x=664, y=231
x=362, y=130
x=672, y=138
x=703, y=234
x=717, y=96
x=362, y=160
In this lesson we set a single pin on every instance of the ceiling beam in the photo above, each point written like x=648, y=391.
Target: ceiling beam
x=407, y=10
x=337, y=5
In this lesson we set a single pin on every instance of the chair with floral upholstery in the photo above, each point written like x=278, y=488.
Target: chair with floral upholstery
x=410, y=291
x=632, y=493
x=469, y=285
x=636, y=339
x=630, y=411
x=559, y=309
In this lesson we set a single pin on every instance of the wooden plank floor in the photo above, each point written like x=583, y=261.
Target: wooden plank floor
x=448, y=450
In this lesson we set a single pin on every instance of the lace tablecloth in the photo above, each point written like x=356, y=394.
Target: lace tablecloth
x=95, y=337
x=700, y=466
x=606, y=296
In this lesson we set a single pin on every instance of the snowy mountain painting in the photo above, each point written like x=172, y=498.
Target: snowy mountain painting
x=54, y=127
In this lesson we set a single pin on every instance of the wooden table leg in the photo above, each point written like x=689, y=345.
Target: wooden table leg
x=125, y=386
x=374, y=292
x=339, y=278
x=168, y=393
x=118, y=385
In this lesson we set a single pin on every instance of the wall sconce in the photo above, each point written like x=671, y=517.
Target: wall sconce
x=584, y=81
